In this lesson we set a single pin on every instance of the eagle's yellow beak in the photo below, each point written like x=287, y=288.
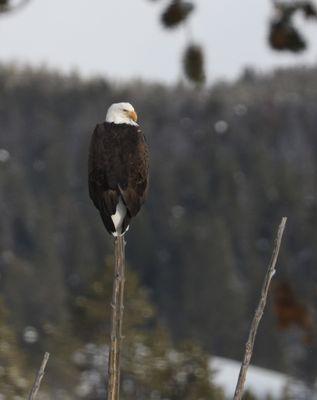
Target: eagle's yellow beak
x=133, y=115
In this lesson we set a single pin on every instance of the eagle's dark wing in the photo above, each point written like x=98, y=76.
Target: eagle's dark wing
x=104, y=197
x=135, y=187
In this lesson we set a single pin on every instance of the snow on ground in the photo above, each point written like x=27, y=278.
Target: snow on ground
x=262, y=382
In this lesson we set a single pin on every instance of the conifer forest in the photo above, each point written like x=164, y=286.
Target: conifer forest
x=226, y=163
x=232, y=138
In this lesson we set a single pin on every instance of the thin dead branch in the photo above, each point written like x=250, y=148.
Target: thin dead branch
x=116, y=321
x=259, y=312
x=39, y=377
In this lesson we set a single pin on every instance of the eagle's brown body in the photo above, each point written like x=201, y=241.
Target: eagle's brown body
x=118, y=167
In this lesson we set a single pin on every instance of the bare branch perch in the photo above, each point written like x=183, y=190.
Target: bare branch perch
x=39, y=377
x=258, y=313
x=116, y=321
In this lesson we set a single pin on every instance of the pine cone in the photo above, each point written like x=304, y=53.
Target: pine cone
x=284, y=36
x=194, y=64
x=176, y=13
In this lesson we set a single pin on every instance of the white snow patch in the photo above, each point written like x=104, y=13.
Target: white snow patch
x=4, y=155
x=261, y=382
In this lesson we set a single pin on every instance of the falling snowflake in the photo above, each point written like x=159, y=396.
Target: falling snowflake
x=30, y=335
x=4, y=155
x=221, y=127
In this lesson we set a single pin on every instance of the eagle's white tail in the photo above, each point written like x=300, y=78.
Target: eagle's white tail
x=118, y=217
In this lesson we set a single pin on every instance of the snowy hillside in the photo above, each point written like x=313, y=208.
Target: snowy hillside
x=262, y=382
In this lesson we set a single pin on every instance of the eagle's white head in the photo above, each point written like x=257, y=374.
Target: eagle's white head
x=122, y=113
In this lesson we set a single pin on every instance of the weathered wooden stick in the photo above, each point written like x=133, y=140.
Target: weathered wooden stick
x=116, y=321
x=39, y=377
x=259, y=312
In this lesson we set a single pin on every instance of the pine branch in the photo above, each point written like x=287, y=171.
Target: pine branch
x=259, y=312
x=39, y=377
x=11, y=9
x=116, y=321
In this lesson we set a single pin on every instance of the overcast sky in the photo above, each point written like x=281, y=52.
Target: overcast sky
x=123, y=39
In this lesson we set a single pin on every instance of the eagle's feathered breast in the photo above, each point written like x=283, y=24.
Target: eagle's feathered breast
x=118, y=168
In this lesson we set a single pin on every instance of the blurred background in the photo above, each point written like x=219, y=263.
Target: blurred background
x=226, y=94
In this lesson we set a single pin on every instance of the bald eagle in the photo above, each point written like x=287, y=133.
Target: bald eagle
x=118, y=168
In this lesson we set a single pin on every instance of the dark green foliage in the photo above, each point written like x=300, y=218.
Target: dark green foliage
x=287, y=9
x=11, y=5
x=248, y=396
x=309, y=10
x=13, y=382
x=176, y=12
x=194, y=64
x=170, y=374
x=4, y=5
x=283, y=35
x=151, y=364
